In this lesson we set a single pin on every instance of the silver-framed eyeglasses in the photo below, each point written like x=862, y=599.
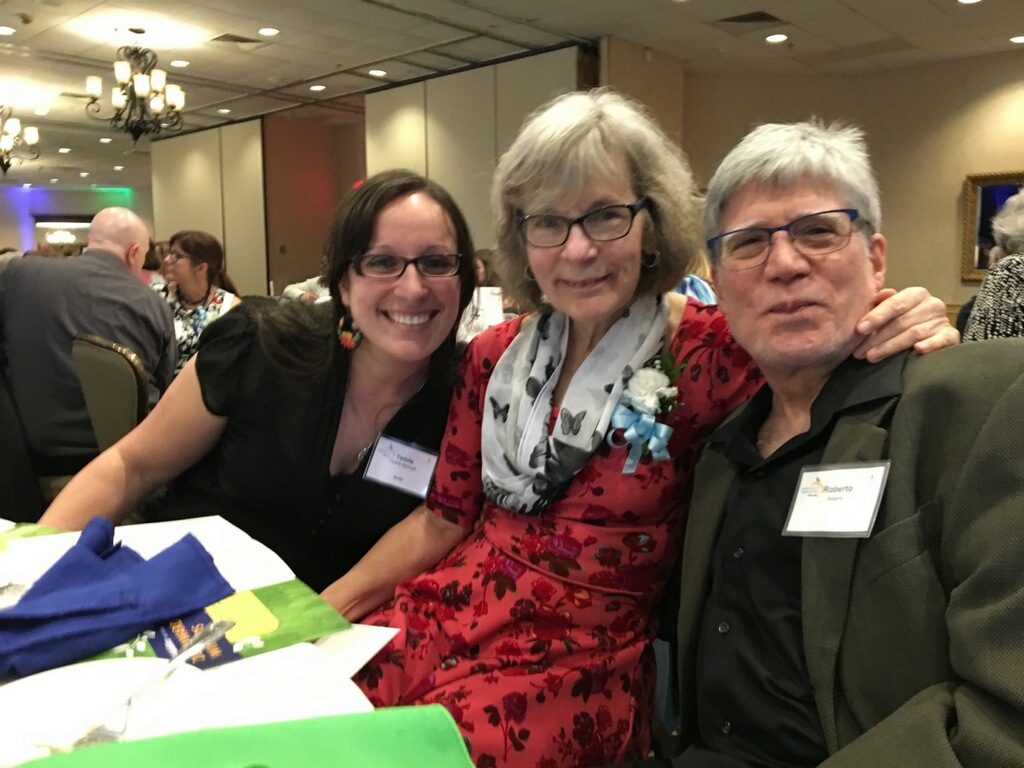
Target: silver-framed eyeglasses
x=389, y=266
x=815, y=234
x=610, y=222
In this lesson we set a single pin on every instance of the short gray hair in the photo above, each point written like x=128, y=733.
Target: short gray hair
x=1008, y=224
x=780, y=154
x=568, y=143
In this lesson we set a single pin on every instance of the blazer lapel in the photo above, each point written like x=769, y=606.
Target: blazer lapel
x=827, y=565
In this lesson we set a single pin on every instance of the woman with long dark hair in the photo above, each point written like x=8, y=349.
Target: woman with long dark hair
x=275, y=422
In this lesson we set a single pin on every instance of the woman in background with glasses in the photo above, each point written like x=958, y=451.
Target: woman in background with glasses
x=275, y=421
x=565, y=469
x=197, y=288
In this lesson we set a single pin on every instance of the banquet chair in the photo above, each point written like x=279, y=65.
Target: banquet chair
x=113, y=381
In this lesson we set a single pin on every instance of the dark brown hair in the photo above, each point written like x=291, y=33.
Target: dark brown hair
x=204, y=248
x=300, y=339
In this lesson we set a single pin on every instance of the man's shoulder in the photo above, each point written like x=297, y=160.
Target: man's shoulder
x=969, y=374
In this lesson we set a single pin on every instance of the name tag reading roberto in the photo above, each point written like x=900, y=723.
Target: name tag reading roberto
x=837, y=500
x=404, y=466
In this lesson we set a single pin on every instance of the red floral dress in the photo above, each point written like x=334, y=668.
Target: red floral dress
x=535, y=631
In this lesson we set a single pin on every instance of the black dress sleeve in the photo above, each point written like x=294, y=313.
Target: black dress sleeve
x=224, y=353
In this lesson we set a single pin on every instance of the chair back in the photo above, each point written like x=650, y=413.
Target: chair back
x=21, y=499
x=113, y=381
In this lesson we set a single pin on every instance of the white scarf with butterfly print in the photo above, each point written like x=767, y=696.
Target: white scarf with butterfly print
x=524, y=468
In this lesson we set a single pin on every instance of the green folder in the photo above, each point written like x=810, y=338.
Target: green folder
x=396, y=737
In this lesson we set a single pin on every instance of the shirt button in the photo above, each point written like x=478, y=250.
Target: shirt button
x=723, y=628
x=726, y=728
x=738, y=553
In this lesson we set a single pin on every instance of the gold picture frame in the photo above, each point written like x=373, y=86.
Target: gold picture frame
x=983, y=195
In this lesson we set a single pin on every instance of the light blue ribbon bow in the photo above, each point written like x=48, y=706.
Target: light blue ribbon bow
x=641, y=429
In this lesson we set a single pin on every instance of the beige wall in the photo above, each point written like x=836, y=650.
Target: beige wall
x=309, y=167
x=18, y=208
x=187, y=184
x=653, y=78
x=245, y=239
x=927, y=128
x=213, y=181
x=396, y=129
x=460, y=143
x=453, y=128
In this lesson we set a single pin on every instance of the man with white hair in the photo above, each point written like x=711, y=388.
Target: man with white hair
x=46, y=303
x=852, y=590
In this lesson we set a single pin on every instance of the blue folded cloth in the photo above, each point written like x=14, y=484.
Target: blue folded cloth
x=100, y=594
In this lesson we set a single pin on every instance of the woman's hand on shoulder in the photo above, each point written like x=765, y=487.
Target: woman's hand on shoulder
x=910, y=318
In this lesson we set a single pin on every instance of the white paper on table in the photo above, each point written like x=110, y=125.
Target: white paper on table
x=56, y=707
x=353, y=647
x=243, y=562
x=292, y=683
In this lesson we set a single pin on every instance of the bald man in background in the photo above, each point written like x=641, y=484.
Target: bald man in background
x=46, y=303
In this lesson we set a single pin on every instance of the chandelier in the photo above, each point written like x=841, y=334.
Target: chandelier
x=143, y=101
x=14, y=137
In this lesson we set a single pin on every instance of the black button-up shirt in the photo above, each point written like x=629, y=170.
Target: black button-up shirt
x=755, y=701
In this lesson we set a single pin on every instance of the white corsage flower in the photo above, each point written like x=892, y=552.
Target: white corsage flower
x=648, y=390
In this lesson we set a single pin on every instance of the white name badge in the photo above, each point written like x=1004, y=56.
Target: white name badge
x=837, y=500
x=404, y=466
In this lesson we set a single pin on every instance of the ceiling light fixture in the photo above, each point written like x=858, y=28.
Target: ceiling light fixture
x=7, y=31
x=179, y=63
x=54, y=181
x=968, y=2
x=144, y=102
x=118, y=167
x=41, y=111
x=63, y=150
x=105, y=140
x=269, y=31
x=84, y=174
x=377, y=73
x=317, y=88
x=223, y=111
x=776, y=38
x=15, y=138
x=1018, y=39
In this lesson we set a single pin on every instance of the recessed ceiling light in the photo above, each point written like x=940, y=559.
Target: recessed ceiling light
x=118, y=167
x=776, y=39
x=179, y=63
x=54, y=181
x=1018, y=39
x=317, y=87
x=84, y=174
x=969, y=2
x=269, y=31
x=41, y=111
x=223, y=111
x=105, y=140
x=64, y=150
x=377, y=73
x=26, y=185
x=7, y=31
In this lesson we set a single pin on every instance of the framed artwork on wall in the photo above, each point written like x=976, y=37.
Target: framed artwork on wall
x=983, y=196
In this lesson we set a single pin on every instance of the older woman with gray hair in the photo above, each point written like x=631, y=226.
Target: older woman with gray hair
x=999, y=307
x=560, y=495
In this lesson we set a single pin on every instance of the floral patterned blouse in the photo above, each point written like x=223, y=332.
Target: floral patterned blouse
x=189, y=322
x=535, y=631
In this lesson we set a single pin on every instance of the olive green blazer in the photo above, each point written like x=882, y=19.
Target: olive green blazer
x=914, y=637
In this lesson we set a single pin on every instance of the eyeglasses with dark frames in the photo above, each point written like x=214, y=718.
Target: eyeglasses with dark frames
x=610, y=222
x=389, y=266
x=815, y=234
